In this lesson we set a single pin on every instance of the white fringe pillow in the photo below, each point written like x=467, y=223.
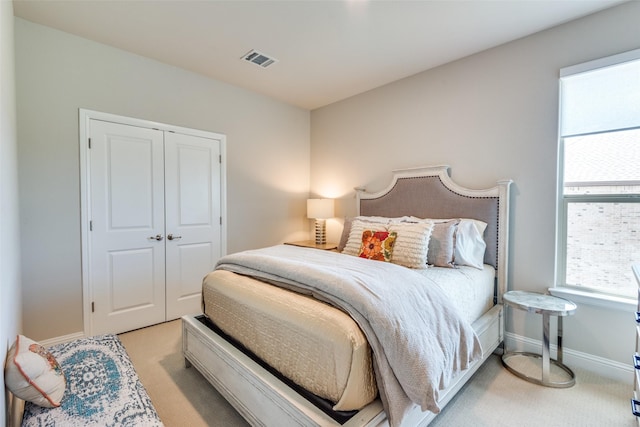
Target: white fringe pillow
x=352, y=247
x=412, y=244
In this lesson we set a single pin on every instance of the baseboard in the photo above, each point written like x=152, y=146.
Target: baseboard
x=63, y=339
x=606, y=367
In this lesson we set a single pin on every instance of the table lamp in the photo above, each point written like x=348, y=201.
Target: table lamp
x=320, y=210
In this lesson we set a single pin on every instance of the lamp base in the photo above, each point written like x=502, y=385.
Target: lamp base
x=321, y=231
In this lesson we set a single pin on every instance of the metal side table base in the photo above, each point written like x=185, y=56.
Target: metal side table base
x=547, y=306
x=511, y=356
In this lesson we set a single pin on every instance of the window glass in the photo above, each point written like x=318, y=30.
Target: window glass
x=603, y=163
x=603, y=241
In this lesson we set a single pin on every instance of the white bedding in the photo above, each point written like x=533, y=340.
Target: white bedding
x=470, y=288
x=419, y=340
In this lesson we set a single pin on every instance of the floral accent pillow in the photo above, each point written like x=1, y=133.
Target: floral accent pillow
x=377, y=245
x=33, y=374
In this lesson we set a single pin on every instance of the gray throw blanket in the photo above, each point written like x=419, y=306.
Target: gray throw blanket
x=419, y=340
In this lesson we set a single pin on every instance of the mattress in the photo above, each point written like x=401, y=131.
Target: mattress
x=314, y=344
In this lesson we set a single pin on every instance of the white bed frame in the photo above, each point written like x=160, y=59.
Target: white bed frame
x=264, y=400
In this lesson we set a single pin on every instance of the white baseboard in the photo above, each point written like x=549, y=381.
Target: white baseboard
x=606, y=367
x=61, y=340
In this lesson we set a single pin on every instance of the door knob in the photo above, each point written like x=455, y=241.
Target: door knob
x=157, y=237
x=172, y=237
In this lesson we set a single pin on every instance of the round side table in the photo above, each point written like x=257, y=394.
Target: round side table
x=547, y=305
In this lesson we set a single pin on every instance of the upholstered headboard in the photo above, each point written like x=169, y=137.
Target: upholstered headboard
x=429, y=192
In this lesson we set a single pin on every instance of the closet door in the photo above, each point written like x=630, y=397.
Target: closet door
x=192, y=191
x=126, y=237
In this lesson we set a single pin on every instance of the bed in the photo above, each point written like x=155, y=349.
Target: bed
x=316, y=359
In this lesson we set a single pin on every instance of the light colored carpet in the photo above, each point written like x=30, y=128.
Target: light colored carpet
x=181, y=396
x=493, y=397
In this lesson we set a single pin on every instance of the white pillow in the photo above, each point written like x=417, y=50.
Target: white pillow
x=33, y=374
x=412, y=244
x=470, y=245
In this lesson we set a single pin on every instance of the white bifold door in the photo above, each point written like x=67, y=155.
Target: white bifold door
x=154, y=215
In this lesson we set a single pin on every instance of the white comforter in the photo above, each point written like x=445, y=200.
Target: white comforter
x=419, y=340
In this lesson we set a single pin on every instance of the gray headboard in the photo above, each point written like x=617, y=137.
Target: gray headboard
x=429, y=192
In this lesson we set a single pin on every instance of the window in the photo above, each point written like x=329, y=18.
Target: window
x=599, y=175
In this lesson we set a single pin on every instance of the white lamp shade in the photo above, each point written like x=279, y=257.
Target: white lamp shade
x=320, y=208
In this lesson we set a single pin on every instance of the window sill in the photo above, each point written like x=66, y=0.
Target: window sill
x=594, y=299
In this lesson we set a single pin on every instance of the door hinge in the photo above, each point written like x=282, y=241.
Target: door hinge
x=90, y=225
x=89, y=143
x=220, y=158
x=220, y=220
x=93, y=307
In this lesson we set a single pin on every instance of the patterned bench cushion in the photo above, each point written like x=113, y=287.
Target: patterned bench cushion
x=103, y=388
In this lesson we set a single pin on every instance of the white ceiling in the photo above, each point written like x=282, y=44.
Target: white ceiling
x=327, y=50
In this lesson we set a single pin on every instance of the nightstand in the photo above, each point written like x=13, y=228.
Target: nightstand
x=312, y=244
x=515, y=361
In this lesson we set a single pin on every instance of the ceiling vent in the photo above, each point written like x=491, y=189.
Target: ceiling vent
x=259, y=59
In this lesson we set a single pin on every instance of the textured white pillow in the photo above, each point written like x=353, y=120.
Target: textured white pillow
x=470, y=245
x=352, y=247
x=412, y=244
x=33, y=374
x=346, y=229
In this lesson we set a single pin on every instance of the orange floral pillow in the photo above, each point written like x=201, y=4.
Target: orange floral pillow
x=377, y=245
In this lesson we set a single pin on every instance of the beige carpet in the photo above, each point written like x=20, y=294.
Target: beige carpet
x=181, y=396
x=493, y=397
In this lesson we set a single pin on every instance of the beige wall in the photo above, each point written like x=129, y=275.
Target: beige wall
x=57, y=73
x=10, y=303
x=492, y=115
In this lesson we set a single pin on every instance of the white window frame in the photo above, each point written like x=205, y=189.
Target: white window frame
x=587, y=296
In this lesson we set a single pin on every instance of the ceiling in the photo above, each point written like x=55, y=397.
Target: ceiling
x=327, y=50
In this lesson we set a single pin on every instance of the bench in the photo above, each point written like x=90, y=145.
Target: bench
x=102, y=388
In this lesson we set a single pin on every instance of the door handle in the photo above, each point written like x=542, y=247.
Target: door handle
x=172, y=237
x=157, y=237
